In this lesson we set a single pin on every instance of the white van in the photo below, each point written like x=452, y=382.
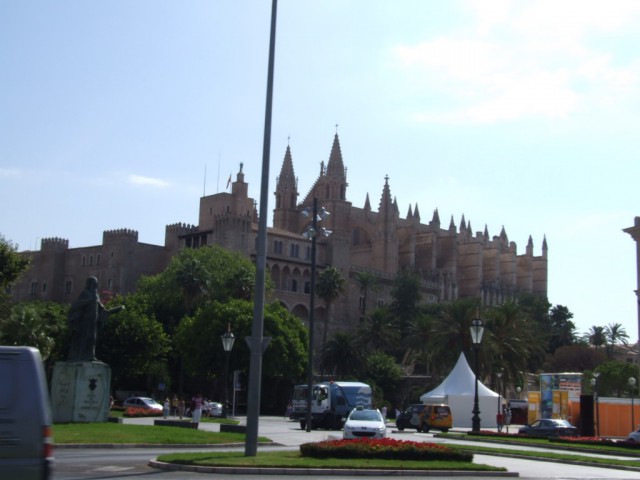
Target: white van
x=26, y=443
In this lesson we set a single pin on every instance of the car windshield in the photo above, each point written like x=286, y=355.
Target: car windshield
x=371, y=415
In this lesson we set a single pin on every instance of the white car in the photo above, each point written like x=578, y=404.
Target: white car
x=634, y=436
x=145, y=403
x=364, y=423
x=214, y=409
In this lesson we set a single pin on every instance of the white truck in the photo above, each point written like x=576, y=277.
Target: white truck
x=331, y=403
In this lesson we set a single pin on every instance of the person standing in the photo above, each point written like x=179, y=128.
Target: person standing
x=165, y=408
x=196, y=410
x=174, y=406
x=181, y=408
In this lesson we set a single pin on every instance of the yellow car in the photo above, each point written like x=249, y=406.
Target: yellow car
x=435, y=417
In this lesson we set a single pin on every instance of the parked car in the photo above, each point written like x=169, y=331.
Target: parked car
x=213, y=409
x=410, y=418
x=26, y=442
x=550, y=427
x=145, y=403
x=435, y=417
x=364, y=423
x=634, y=436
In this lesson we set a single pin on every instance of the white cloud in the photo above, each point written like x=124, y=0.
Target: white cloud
x=141, y=180
x=524, y=60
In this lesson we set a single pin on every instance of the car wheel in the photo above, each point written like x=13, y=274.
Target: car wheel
x=444, y=430
x=419, y=428
x=400, y=428
x=425, y=428
x=303, y=425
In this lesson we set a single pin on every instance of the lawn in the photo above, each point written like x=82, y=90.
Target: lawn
x=107, y=433
x=293, y=459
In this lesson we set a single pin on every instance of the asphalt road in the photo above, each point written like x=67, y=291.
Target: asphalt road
x=132, y=463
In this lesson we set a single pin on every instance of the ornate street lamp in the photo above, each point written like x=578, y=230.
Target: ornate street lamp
x=477, y=329
x=632, y=385
x=227, y=344
x=311, y=233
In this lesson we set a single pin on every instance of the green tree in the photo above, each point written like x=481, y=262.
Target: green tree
x=615, y=334
x=614, y=378
x=597, y=337
x=509, y=341
x=342, y=356
x=378, y=331
x=366, y=281
x=329, y=288
x=406, y=298
x=451, y=334
x=198, y=340
x=34, y=324
x=134, y=345
x=11, y=266
x=382, y=370
x=563, y=330
x=573, y=358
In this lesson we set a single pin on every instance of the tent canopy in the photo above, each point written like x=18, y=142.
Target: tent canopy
x=461, y=381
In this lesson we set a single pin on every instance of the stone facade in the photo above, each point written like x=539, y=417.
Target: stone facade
x=453, y=262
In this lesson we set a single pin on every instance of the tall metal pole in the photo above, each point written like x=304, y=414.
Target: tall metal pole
x=256, y=341
x=312, y=305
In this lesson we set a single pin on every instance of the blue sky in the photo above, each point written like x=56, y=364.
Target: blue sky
x=522, y=114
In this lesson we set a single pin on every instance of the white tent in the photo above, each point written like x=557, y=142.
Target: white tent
x=458, y=391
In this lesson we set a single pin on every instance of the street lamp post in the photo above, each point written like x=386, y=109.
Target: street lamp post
x=499, y=417
x=312, y=233
x=632, y=385
x=595, y=383
x=477, y=329
x=227, y=344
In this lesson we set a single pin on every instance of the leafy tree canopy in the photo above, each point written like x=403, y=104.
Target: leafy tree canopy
x=199, y=340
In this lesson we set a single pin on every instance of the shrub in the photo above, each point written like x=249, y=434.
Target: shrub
x=383, y=448
x=141, y=412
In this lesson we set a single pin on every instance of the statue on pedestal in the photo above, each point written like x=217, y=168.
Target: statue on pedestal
x=86, y=313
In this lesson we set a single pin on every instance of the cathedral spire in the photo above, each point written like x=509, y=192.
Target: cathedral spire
x=287, y=178
x=335, y=167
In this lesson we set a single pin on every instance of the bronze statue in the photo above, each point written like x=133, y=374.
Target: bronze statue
x=84, y=316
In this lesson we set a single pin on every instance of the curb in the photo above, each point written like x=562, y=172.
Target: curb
x=327, y=471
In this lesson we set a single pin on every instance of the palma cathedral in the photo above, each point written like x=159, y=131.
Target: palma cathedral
x=451, y=260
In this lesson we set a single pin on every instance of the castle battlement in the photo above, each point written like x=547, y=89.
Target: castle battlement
x=54, y=243
x=119, y=234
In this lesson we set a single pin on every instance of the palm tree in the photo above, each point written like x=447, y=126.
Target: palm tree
x=510, y=340
x=596, y=336
x=342, y=356
x=378, y=331
x=366, y=281
x=614, y=334
x=451, y=333
x=330, y=286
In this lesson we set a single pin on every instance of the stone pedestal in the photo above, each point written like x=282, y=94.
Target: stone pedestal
x=80, y=392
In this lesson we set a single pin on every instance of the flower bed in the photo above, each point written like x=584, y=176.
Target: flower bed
x=607, y=442
x=141, y=412
x=383, y=448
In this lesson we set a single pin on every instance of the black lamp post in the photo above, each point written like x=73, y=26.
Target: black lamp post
x=227, y=344
x=477, y=329
x=312, y=233
x=632, y=386
x=499, y=375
